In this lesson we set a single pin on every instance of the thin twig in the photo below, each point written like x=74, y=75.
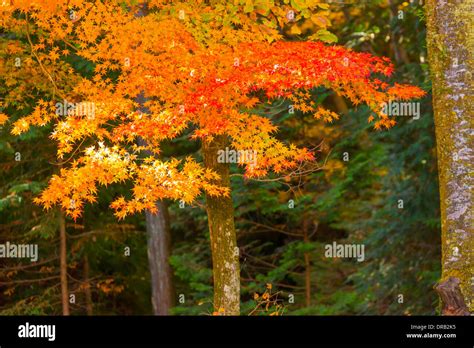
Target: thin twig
x=29, y=281
x=37, y=58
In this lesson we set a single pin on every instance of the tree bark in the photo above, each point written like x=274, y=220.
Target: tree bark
x=87, y=291
x=452, y=298
x=225, y=253
x=450, y=39
x=307, y=264
x=158, y=235
x=340, y=104
x=159, y=246
x=158, y=250
x=63, y=264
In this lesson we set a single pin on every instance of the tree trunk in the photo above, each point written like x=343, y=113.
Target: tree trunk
x=451, y=53
x=158, y=235
x=63, y=264
x=340, y=104
x=225, y=253
x=159, y=245
x=307, y=264
x=451, y=297
x=87, y=291
x=159, y=250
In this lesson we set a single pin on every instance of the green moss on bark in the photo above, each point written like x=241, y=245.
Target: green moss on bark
x=225, y=253
x=451, y=54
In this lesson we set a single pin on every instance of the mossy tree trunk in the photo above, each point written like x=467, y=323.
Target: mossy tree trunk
x=225, y=253
x=450, y=38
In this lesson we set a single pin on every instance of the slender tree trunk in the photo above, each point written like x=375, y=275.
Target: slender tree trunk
x=159, y=251
x=399, y=52
x=63, y=264
x=340, y=104
x=159, y=246
x=89, y=306
x=451, y=53
x=158, y=236
x=307, y=264
x=225, y=253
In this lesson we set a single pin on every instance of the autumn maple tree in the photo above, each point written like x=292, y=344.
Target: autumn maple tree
x=202, y=68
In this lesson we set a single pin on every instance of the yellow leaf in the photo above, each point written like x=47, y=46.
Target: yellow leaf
x=295, y=30
x=3, y=118
x=320, y=21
